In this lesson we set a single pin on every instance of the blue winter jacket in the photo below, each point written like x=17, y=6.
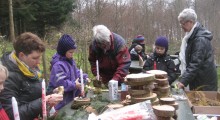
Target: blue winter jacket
x=64, y=72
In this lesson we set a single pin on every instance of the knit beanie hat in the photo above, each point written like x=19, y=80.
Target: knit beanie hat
x=139, y=39
x=162, y=42
x=66, y=42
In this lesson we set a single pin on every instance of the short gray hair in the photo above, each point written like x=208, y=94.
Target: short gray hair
x=4, y=69
x=187, y=14
x=101, y=33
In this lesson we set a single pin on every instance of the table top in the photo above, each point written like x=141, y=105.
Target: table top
x=184, y=112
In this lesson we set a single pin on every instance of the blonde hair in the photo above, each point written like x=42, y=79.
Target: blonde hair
x=4, y=69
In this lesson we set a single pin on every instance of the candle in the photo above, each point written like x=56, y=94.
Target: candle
x=15, y=108
x=44, y=110
x=82, y=84
x=97, y=69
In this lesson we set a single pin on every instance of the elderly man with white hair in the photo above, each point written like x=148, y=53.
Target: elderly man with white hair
x=112, y=54
x=197, y=67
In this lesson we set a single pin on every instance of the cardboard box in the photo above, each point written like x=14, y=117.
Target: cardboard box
x=213, y=95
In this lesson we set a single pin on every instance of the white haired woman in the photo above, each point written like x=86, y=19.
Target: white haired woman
x=197, y=67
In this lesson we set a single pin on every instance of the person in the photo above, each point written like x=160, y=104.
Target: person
x=64, y=71
x=3, y=77
x=25, y=81
x=112, y=54
x=160, y=60
x=139, y=40
x=197, y=66
x=136, y=53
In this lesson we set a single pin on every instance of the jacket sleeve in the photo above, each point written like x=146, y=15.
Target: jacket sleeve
x=92, y=59
x=59, y=77
x=198, y=52
x=27, y=110
x=148, y=64
x=124, y=61
x=171, y=71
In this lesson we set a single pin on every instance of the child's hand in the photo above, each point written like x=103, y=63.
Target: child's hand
x=78, y=85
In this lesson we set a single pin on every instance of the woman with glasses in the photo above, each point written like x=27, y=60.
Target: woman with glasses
x=197, y=66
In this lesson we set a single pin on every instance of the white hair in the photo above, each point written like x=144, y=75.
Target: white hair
x=101, y=33
x=187, y=14
x=4, y=69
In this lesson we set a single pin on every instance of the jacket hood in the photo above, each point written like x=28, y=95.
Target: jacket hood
x=8, y=63
x=56, y=57
x=202, y=32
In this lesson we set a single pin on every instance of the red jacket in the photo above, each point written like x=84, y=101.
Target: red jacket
x=115, y=63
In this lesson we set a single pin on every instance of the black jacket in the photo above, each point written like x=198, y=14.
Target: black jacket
x=164, y=63
x=26, y=91
x=200, y=67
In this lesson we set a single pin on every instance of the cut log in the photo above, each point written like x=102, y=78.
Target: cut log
x=164, y=110
x=115, y=106
x=152, y=98
x=165, y=89
x=162, y=82
x=167, y=101
x=164, y=118
x=140, y=77
x=158, y=73
x=140, y=93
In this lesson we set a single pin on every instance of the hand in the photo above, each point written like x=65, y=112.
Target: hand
x=54, y=99
x=100, y=78
x=78, y=85
x=180, y=85
x=88, y=80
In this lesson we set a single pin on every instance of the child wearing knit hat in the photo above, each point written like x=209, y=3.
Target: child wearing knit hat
x=160, y=60
x=139, y=40
x=64, y=71
x=136, y=52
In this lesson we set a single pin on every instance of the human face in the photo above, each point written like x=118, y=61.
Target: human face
x=32, y=60
x=2, y=80
x=69, y=53
x=186, y=26
x=160, y=50
x=104, y=45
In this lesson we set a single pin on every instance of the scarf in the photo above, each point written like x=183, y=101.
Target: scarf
x=182, y=58
x=33, y=74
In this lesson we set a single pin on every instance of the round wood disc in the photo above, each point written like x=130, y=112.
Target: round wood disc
x=162, y=82
x=164, y=89
x=140, y=77
x=167, y=101
x=152, y=98
x=158, y=73
x=164, y=110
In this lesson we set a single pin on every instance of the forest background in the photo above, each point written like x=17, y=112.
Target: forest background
x=151, y=18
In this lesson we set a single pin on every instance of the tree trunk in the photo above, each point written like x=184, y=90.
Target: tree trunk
x=11, y=23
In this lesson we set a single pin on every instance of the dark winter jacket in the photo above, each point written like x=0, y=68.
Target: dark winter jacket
x=115, y=63
x=64, y=72
x=135, y=55
x=164, y=63
x=200, y=67
x=134, y=43
x=26, y=91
